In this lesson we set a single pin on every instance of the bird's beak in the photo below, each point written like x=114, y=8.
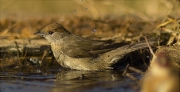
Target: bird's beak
x=39, y=33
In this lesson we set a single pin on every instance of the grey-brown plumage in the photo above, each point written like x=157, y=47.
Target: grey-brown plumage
x=163, y=72
x=172, y=54
x=75, y=52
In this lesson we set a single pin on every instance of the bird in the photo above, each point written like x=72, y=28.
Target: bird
x=75, y=52
x=163, y=73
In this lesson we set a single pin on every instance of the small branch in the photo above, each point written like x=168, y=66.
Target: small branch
x=136, y=70
x=149, y=45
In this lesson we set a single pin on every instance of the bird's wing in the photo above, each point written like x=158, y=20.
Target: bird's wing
x=75, y=52
x=78, y=47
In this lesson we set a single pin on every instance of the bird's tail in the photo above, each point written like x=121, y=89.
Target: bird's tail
x=115, y=55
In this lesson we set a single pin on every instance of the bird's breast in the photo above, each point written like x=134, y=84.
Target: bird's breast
x=57, y=51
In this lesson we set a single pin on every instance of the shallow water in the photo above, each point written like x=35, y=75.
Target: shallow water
x=57, y=80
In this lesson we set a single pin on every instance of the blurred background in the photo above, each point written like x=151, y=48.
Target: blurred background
x=21, y=18
x=151, y=9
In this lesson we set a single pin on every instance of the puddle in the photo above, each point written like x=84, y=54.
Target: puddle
x=57, y=80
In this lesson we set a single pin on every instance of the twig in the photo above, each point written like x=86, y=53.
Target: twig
x=131, y=77
x=18, y=51
x=125, y=73
x=125, y=70
x=45, y=52
x=149, y=45
x=136, y=70
x=143, y=57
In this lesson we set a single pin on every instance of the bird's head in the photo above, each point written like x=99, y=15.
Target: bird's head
x=165, y=61
x=53, y=32
x=161, y=59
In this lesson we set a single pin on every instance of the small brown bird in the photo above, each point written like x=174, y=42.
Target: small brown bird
x=164, y=71
x=75, y=52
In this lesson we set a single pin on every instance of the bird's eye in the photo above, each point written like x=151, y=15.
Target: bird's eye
x=50, y=32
